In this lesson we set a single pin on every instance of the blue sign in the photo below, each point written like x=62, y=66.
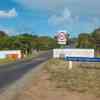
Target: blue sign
x=82, y=59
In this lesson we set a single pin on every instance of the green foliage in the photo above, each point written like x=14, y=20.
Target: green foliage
x=89, y=40
x=85, y=41
x=27, y=43
x=96, y=36
x=2, y=34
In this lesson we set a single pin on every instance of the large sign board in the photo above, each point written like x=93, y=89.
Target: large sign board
x=57, y=53
x=61, y=37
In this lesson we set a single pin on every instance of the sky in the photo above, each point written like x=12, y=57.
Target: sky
x=47, y=17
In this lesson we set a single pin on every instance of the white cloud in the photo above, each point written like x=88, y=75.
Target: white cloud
x=42, y=5
x=8, y=30
x=8, y=14
x=67, y=14
x=64, y=18
x=79, y=7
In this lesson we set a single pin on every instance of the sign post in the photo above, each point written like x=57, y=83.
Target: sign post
x=70, y=66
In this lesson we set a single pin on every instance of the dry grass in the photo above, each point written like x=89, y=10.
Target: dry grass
x=3, y=61
x=56, y=82
x=84, y=77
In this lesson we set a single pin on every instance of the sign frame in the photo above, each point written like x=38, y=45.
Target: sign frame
x=82, y=59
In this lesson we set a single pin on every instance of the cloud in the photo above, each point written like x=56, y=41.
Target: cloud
x=78, y=7
x=72, y=15
x=8, y=14
x=41, y=5
x=63, y=19
x=66, y=20
x=8, y=30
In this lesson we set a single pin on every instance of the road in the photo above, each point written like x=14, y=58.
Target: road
x=9, y=73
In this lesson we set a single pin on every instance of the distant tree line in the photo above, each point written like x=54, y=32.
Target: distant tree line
x=26, y=42
x=89, y=40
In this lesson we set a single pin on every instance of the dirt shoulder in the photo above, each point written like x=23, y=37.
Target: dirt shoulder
x=44, y=86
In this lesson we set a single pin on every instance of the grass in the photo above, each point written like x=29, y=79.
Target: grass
x=35, y=54
x=83, y=78
x=8, y=60
x=3, y=61
x=98, y=55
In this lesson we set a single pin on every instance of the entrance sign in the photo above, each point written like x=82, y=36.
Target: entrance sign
x=75, y=55
x=57, y=53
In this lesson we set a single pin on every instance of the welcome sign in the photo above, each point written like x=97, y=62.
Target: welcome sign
x=57, y=53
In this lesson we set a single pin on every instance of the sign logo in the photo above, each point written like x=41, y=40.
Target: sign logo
x=62, y=38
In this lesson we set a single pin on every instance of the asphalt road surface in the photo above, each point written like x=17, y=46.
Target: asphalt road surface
x=9, y=73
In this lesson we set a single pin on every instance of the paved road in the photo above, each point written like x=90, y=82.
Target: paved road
x=9, y=73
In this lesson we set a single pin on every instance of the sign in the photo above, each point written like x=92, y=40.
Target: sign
x=61, y=37
x=5, y=53
x=57, y=53
x=82, y=59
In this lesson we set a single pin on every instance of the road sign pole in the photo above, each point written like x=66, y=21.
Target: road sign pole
x=62, y=46
x=70, y=65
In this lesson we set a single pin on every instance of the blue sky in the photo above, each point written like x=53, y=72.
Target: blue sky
x=46, y=17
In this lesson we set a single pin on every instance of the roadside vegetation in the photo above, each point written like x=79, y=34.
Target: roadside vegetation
x=3, y=61
x=89, y=40
x=30, y=45
x=83, y=78
x=26, y=42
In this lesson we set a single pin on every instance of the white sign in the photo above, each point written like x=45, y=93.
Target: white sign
x=57, y=53
x=61, y=38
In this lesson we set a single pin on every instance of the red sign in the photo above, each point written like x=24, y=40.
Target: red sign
x=61, y=38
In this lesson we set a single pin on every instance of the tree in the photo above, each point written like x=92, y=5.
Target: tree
x=96, y=36
x=3, y=34
x=27, y=42
x=24, y=42
x=73, y=42
x=85, y=41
